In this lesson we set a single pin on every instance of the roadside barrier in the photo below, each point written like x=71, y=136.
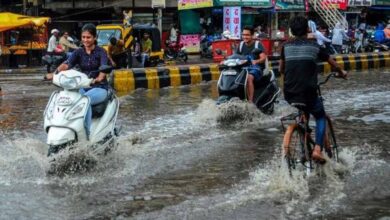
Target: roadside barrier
x=125, y=80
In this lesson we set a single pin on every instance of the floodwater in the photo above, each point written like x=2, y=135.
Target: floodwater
x=176, y=160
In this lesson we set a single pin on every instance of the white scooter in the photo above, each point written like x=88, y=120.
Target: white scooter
x=66, y=110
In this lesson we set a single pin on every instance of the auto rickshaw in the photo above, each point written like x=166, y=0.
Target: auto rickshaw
x=132, y=35
x=121, y=32
x=157, y=54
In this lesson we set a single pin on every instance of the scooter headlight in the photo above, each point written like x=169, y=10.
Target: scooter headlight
x=69, y=82
x=77, y=112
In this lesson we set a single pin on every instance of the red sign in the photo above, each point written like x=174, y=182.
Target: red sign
x=338, y=4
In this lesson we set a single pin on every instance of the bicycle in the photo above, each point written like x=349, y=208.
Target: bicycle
x=298, y=143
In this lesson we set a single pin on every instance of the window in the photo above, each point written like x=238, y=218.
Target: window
x=104, y=36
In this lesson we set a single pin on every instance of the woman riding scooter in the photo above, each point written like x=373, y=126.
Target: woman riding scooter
x=89, y=58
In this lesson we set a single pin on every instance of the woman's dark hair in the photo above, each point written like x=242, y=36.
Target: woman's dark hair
x=249, y=28
x=91, y=28
x=299, y=26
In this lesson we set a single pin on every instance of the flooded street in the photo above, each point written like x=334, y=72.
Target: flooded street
x=177, y=160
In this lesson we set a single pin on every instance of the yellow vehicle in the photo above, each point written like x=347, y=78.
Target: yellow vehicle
x=131, y=35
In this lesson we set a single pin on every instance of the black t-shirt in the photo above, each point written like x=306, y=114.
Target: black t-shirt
x=300, y=81
x=247, y=50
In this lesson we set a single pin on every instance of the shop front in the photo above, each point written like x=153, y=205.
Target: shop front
x=23, y=39
x=211, y=20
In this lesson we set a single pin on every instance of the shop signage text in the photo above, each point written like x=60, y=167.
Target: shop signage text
x=382, y=2
x=158, y=3
x=263, y=3
x=191, y=4
x=191, y=42
x=359, y=2
x=339, y=4
x=232, y=20
x=289, y=4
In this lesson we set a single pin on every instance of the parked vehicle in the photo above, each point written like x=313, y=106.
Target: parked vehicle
x=131, y=36
x=175, y=51
x=206, y=50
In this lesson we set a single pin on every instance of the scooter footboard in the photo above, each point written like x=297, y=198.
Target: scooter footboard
x=59, y=136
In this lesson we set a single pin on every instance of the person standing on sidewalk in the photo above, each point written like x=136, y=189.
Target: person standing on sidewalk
x=338, y=36
x=53, y=43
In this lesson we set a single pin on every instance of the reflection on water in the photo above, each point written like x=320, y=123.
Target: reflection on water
x=176, y=160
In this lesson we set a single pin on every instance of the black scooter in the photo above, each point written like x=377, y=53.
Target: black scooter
x=233, y=81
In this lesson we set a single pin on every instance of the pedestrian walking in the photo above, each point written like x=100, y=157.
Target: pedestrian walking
x=338, y=36
x=53, y=43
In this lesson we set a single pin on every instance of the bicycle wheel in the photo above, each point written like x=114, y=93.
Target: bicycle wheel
x=292, y=145
x=331, y=147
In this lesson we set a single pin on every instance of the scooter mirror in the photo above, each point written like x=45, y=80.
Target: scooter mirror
x=105, y=69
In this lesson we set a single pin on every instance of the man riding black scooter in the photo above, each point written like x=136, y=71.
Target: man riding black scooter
x=245, y=75
x=247, y=45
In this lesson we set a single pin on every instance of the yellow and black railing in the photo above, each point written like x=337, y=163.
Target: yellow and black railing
x=125, y=80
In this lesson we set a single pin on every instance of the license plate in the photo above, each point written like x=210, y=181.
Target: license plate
x=229, y=72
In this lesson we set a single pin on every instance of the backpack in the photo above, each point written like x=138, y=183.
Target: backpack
x=266, y=70
x=242, y=44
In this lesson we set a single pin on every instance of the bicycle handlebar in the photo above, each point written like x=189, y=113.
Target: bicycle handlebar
x=327, y=79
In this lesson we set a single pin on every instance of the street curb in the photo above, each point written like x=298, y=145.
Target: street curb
x=22, y=71
x=126, y=80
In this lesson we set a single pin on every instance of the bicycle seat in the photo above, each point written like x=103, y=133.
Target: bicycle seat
x=297, y=104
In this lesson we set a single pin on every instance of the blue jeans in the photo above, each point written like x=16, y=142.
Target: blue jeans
x=255, y=72
x=145, y=57
x=96, y=95
x=318, y=111
x=68, y=54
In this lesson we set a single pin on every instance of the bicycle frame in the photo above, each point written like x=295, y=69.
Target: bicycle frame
x=302, y=123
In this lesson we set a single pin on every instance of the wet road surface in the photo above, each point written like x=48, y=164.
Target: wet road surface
x=176, y=160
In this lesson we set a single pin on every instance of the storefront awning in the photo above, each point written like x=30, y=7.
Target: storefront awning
x=10, y=21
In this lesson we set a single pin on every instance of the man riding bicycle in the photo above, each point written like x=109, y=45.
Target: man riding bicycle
x=298, y=64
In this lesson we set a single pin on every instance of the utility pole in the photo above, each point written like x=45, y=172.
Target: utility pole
x=159, y=19
x=24, y=6
x=159, y=4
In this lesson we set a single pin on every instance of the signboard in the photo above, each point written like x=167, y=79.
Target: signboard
x=191, y=4
x=258, y=3
x=191, y=42
x=359, y=3
x=339, y=4
x=232, y=20
x=290, y=5
x=382, y=2
x=158, y=3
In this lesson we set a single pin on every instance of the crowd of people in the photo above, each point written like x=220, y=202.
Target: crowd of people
x=355, y=38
